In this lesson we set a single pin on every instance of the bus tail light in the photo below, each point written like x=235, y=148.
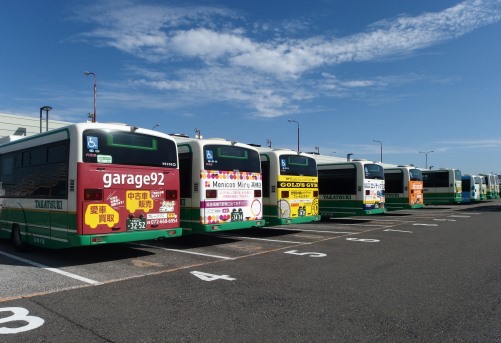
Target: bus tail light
x=367, y=192
x=211, y=193
x=285, y=194
x=93, y=194
x=315, y=194
x=257, y=193
x=171, y=194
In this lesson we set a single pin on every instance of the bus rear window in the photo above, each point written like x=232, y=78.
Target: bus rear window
x=415, y=175
x=374, y=171
x=297, y=165
x=231, y=158
x=128, y=148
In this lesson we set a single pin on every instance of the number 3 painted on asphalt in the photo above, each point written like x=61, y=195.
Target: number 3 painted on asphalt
x=19, y=314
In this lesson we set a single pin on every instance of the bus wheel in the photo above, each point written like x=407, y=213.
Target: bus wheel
x=19, y=245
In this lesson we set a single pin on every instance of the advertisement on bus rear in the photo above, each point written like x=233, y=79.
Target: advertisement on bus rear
x=373, y=194
x=128, y=199
x=296, y=196
x=230, y=196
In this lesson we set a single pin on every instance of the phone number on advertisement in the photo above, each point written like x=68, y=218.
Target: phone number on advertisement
x=162, y=221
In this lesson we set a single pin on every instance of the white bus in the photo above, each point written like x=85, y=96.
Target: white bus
x=492, y=187
x=442, y=186
x=471, y=186
x=221, y=185
x=483, y=187
x=290, y=187
x=349, y=188
x=403, y=187
x=88, y=184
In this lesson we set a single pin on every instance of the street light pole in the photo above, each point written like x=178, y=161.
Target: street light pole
x=376, y=141
x=295, y=121
x=46, y=109
x=426, y=154
x=197, y=134
x=87, y=73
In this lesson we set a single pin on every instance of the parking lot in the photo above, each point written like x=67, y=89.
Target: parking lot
x=432, y=274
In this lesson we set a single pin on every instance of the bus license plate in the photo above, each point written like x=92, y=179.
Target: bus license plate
x=237, y=216
x=136, y=224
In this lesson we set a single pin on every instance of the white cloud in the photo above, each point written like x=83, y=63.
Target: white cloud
x=161, y=32
x=215, y=38
x=209, y=44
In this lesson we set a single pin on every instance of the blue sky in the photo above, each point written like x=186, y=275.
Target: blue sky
x=416, y=75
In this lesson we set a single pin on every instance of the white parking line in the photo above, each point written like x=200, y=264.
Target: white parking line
x=368, y=225
x=398, y=230
x=394, y=220
x=184, y=251
x=54, y=270
x=336, y=232
x=425, y=224
x=263, y=239
x=320, y=231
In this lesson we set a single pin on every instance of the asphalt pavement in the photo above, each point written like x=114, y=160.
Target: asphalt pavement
x=427, y=275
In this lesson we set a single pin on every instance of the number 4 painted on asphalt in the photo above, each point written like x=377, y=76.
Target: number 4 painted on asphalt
x=309, y=254
x=211, y=277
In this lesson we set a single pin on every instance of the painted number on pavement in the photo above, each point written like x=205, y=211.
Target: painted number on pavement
x=19, y=314
x=308, y=253
x=367, y=240
x=211, y=277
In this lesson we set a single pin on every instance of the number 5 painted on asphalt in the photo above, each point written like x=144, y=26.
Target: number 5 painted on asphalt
x=19, y=314
x=309, y=254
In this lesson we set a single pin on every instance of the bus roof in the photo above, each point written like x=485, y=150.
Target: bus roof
x=204, y=141
x=80, y=127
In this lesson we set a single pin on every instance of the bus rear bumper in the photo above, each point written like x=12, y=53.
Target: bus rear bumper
x=123, y=237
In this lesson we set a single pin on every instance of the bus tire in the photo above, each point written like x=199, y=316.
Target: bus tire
x=19, y=245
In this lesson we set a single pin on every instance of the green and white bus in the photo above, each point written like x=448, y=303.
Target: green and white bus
x=483, y=187
x=89, y=184
x=349, y=188
x=220, y=184
x=290, y=187
x=492, y=186
x=403, y=187
x=442, y=186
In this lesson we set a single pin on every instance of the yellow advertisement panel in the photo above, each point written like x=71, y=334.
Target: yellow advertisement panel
x=101, y=214
x=139, y=200
x=297, y=196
